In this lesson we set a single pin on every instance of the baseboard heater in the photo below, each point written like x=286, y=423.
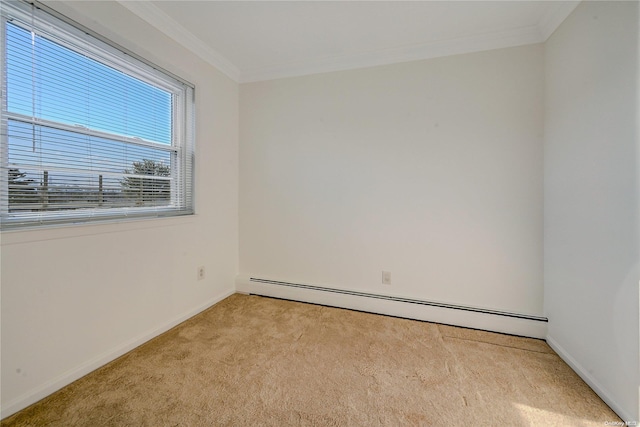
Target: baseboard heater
x=399, y=299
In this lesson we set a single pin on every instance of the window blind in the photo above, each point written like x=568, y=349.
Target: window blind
x=88, y=132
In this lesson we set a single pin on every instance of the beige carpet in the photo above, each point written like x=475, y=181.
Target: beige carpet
x=253, y=361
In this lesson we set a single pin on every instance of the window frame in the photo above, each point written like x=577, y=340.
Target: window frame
x=47, y=23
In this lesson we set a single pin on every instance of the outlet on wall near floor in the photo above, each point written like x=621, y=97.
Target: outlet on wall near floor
x=200, y=273
x=386, y=277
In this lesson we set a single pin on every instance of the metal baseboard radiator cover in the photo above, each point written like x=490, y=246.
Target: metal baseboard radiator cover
x=400, y=299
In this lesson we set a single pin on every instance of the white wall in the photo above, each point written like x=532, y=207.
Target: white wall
x=591, y=198
x=430, y=169
x=75, y=297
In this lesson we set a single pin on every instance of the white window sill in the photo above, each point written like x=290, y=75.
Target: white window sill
x=67, y=231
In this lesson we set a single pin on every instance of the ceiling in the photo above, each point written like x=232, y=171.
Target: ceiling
x=262, y=40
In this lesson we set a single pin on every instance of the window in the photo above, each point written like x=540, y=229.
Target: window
x=88, y=132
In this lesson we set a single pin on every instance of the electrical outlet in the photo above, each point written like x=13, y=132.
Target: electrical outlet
x=386, y=277
x=200, y=273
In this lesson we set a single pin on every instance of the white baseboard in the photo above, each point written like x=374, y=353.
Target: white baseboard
x=589, y=379
x=70, y=376
x=508, y=323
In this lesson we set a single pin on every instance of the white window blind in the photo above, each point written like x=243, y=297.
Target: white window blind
x=88, y=132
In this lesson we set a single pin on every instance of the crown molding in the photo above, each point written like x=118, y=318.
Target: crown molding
x=539, y=33
x=556, y=14
x=473, y=43
x=163, y=22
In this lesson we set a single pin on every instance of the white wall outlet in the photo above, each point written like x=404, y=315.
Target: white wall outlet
x=386, y=277
x=200, y=273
